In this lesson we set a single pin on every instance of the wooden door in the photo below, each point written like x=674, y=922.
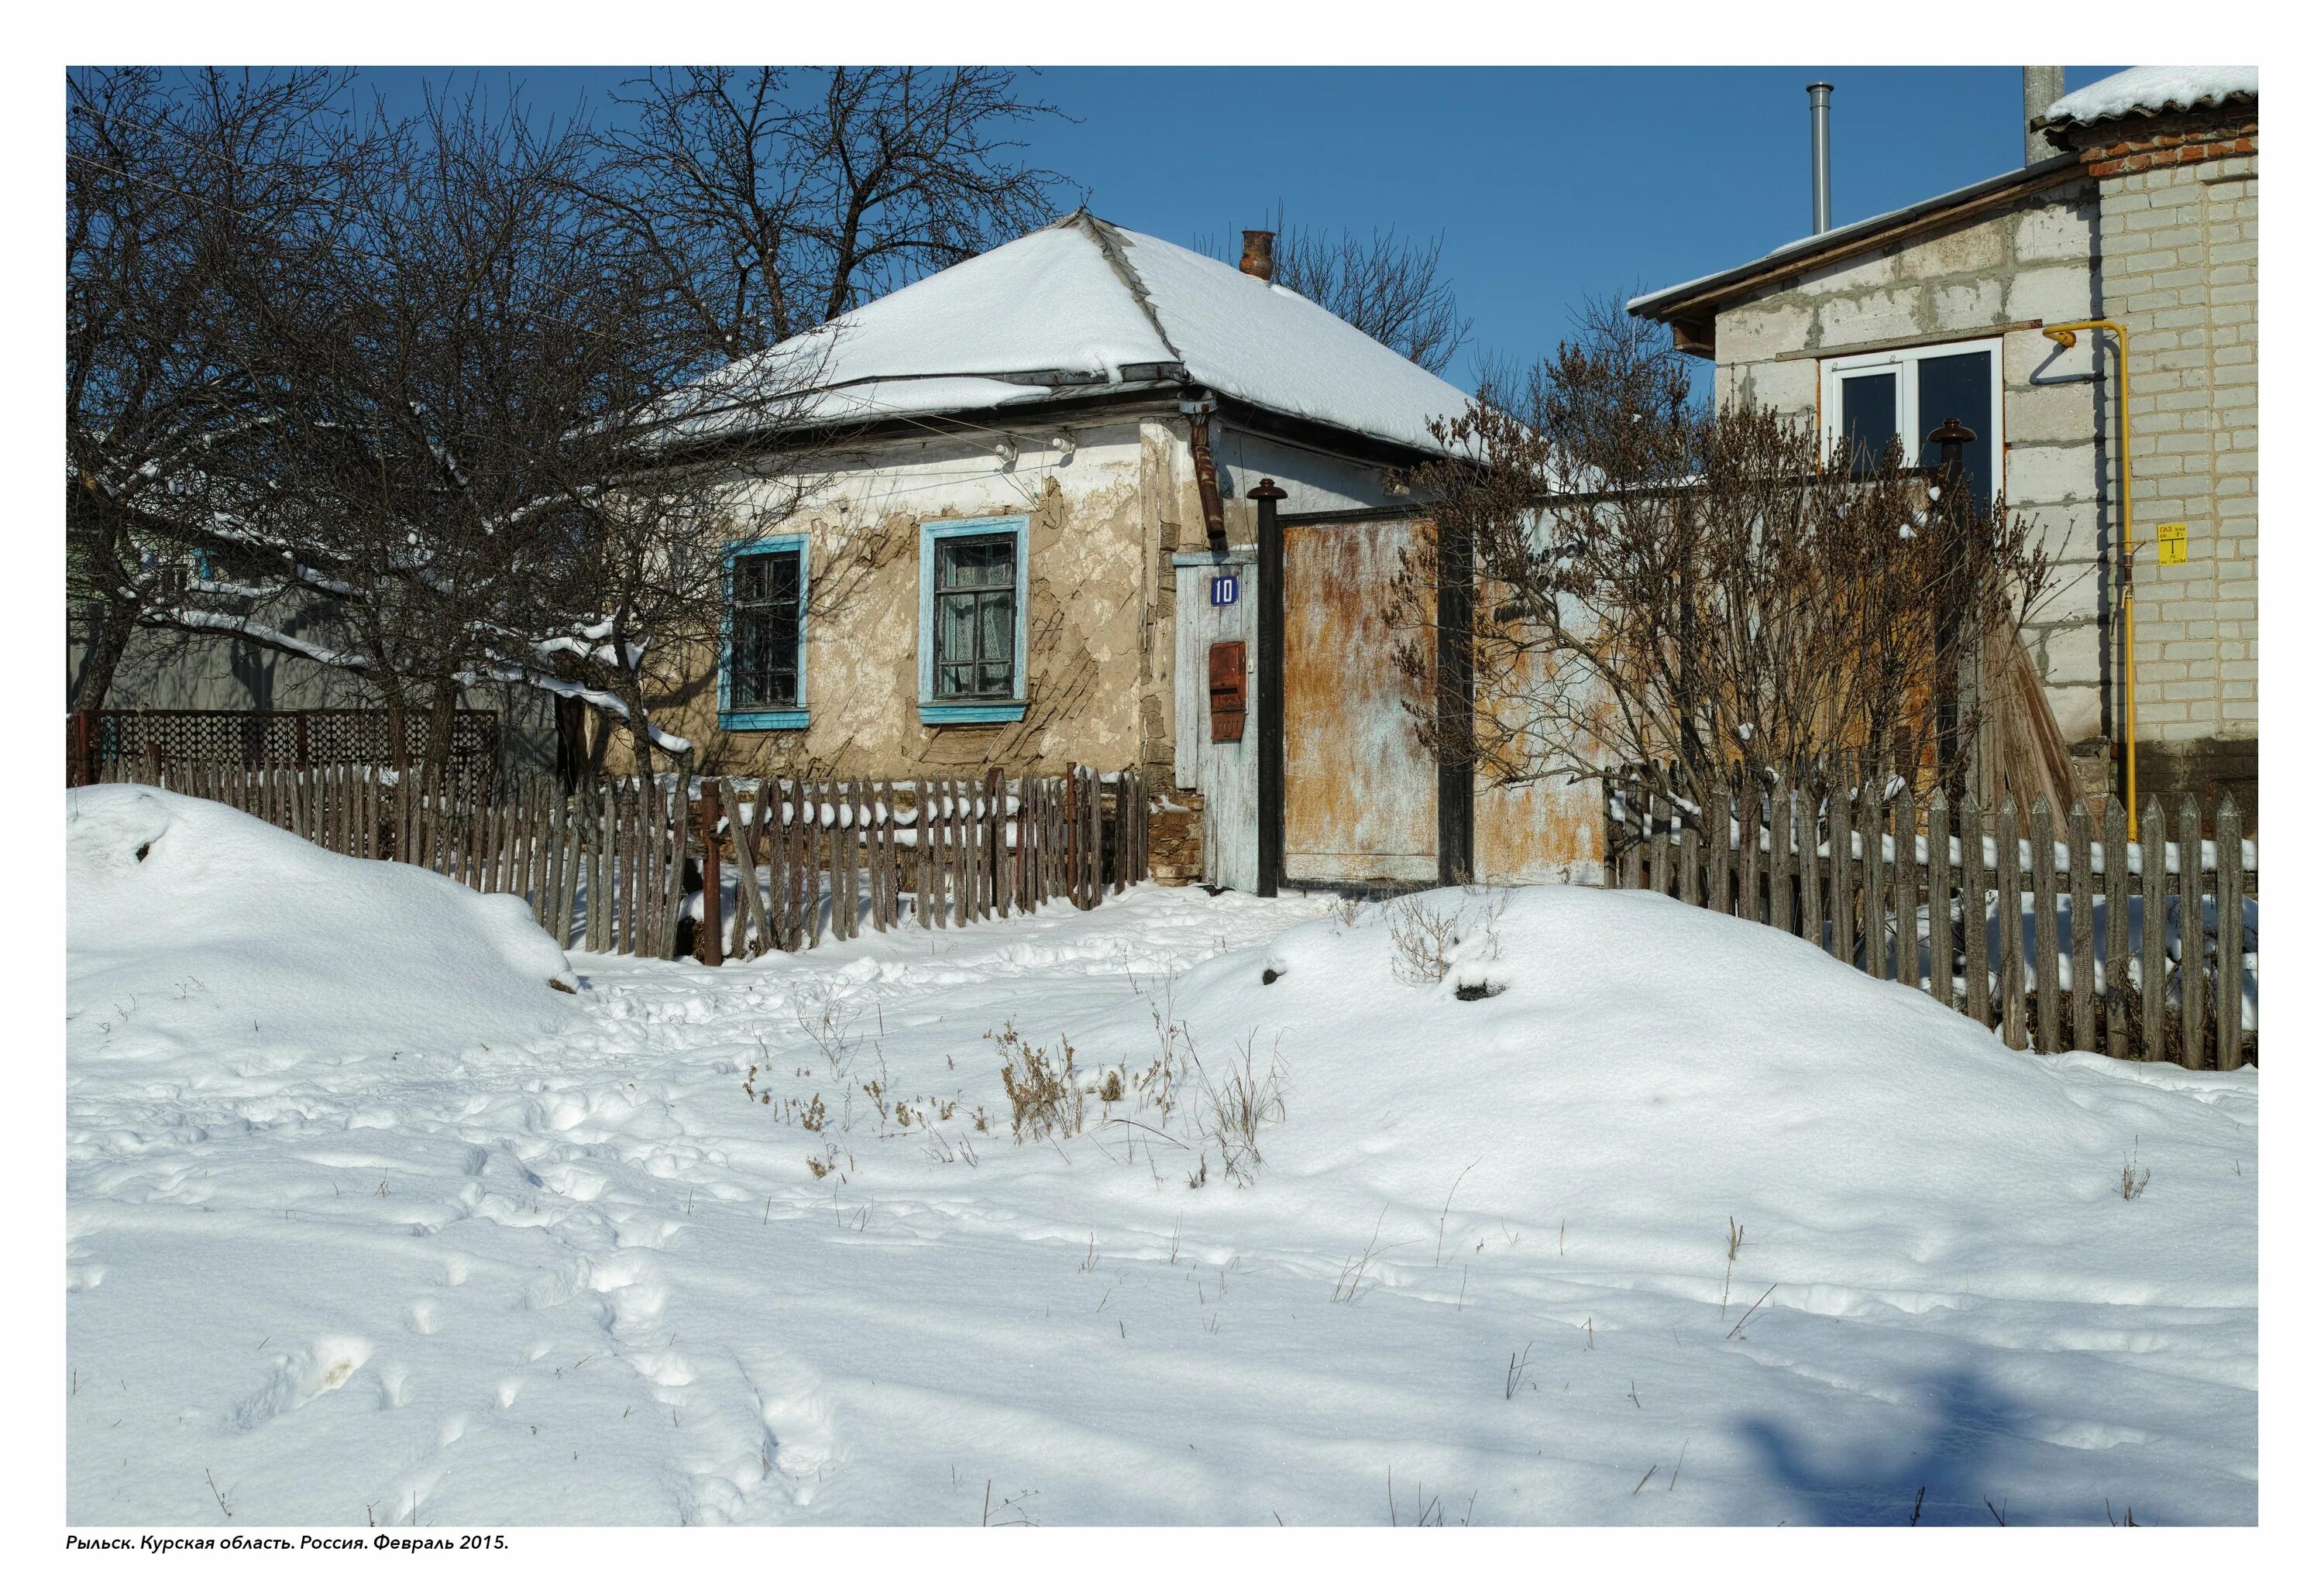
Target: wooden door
x=1358, y=792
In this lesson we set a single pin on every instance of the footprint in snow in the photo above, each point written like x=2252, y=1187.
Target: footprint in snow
x=299, y=1377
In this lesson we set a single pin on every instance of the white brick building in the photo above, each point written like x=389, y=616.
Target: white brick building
x=2139, y=205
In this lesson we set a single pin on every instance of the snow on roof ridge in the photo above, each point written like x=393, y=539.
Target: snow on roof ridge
x=1081, y=305
x=1109, y=241
x=2149, y=90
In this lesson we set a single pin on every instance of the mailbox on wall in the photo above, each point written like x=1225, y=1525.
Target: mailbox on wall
x=1227, y=688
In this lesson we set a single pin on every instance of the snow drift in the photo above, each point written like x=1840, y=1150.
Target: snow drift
x=593, y=1278
x=1660, y=1068
x=195, y=931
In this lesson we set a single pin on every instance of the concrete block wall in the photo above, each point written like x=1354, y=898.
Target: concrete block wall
x=2036, y=259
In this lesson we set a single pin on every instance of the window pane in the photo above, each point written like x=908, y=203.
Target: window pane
x=997, y=631
x=1959, y=387
x=975, y=617
x=764, y=632
x=1867, y=418
x=975, y=563
x=956, y=628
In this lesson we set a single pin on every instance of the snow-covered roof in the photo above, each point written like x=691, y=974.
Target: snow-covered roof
x=1083, y=306
x=2147, y=91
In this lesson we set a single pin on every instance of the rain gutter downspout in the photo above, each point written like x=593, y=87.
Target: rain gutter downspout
x=1198, y=412
x=2062, y=335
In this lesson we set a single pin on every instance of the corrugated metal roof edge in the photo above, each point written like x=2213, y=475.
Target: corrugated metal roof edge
x=2167, y=107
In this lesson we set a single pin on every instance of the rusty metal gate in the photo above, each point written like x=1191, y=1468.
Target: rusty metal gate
x=1359, y=793
x=1348, y=796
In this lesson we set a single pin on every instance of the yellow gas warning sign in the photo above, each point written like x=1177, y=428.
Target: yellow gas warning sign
x=2171, y=543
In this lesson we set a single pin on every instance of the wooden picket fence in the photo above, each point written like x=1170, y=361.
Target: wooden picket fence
x=1920, y=895
x=619, y=868
x=958, y=849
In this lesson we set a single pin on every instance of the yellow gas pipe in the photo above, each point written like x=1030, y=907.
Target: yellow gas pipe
x=2062, y=335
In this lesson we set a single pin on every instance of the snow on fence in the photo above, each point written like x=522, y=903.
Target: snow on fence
x=1920, y=896
x=619, y=867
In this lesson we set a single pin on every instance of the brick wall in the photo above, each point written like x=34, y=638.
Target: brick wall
x=2179, y=232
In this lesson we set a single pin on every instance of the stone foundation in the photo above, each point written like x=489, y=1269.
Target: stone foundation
x=2207, y=769
x=1174, y=838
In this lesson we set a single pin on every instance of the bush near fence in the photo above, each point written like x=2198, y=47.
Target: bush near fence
x=269, y=738
x=1918, y=894
x=616, y=867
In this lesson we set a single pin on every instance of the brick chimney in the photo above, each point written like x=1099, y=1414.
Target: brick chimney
x=1259, y=254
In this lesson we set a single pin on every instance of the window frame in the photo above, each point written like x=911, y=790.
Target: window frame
x=731, y=717
x=934, y=710
x=1905, y=362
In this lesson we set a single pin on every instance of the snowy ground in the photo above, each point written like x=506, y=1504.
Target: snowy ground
x=580, y=1270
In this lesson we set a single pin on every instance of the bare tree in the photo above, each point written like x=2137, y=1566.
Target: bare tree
x=776, y=199
x=169, y=182
x=1659, y=583
x=1392, y=288
x=488, y=452
x=460, y=388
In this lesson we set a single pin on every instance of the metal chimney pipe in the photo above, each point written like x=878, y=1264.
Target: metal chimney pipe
x=2044, y=86
x=1820, y=136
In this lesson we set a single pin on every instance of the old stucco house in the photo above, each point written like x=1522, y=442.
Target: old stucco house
x=2137, y=207
x=1031, y=542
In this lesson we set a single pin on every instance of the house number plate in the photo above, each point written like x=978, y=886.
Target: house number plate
x=1224, y=590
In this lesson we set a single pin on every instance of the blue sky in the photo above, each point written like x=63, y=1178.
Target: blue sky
x=1548, y=184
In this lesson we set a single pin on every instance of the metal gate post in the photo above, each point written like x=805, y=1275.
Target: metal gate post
x=1456, y=777
x=1266, y=495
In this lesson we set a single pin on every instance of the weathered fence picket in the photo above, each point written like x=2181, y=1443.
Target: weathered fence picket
x=2082, y=948
x=1940, y=899
x=1906, y=964
x=2042, y=853
x=2056, y=946
x=615, y=867
x=2191, y=982
x=2154, y=979
x=2116, y=845
x=2230, y=988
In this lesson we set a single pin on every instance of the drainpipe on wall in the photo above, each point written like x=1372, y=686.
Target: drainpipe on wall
x=1198, y=412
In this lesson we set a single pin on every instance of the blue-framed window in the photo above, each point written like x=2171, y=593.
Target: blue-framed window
x=972, y=602
x=762, y=636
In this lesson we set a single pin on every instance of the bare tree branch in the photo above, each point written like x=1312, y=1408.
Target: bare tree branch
x=1392, y=288
x=1659, y=584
